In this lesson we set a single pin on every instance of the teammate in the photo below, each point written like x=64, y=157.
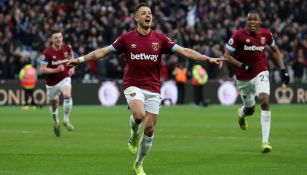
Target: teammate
x=245, y=49
x=143, y=49
x=58, y=80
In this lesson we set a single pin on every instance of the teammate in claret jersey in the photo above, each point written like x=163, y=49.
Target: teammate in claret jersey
x=58, y=80
x=245, y=49
x=143, y=48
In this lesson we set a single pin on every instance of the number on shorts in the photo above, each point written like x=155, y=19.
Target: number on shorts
x=262, y=77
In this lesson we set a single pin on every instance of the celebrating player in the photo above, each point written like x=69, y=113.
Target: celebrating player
x=143, y=49
x=58, y=79
x=245, y=49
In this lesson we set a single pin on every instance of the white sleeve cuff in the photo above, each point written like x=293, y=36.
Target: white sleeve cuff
x=81, y=59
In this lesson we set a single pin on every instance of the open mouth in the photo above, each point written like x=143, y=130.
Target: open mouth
x=252, y=27
x=147, y=20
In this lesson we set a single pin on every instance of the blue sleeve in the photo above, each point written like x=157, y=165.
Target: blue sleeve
x=112, y=48
x=230, y=48
x=174, y=48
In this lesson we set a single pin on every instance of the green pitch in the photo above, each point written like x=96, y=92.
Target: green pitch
x=188, y=141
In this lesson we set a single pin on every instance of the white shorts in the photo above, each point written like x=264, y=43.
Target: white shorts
x=54, y=92
x=250, y=88
x=150, y=99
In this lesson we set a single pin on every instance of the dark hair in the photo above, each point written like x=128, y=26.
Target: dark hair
x=53, y=31
x=254, y=12
x=143, y=4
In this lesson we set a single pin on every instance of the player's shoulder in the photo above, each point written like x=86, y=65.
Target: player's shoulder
x=66, y=46
x=161, y=36
x=240, y=31
x=47, y=51
x=158, y=34
x=128, y=34
x=265, y=31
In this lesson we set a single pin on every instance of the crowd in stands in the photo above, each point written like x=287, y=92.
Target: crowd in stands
x=204, y=25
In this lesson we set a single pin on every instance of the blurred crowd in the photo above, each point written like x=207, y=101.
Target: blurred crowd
x=204, y=25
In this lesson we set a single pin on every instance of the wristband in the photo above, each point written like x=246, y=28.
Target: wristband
x=81, y=59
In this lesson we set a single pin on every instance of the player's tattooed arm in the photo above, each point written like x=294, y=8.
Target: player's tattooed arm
x=98, y=54
x=191, y=54
x=94, y=55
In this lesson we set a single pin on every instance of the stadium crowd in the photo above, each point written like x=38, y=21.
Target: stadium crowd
x=203, y=25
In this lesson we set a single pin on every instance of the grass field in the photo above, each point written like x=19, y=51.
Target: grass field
x=188, y=141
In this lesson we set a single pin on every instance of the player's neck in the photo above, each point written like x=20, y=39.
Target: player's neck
x=143, y=31
x=55, y=47
x=257, y=31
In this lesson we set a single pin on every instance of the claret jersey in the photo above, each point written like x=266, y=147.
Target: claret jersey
x=249, y=49
x=53, y=58
x=143, y=58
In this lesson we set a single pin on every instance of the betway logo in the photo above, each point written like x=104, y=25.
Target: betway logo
x=253, y=48
x=59, y=62
x=143, y=56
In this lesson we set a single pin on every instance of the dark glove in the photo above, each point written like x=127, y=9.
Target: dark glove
x=284, y=76
x=246, y=68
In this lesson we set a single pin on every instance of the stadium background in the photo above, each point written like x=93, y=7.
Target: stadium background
x=188, y=139
x=204, y=25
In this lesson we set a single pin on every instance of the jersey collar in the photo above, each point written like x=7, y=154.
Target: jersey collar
x=258, y=32
x=142, y=34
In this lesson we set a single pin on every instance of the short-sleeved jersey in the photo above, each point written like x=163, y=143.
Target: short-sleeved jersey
x=249, y=49
x=52, y=58
x=143, y=58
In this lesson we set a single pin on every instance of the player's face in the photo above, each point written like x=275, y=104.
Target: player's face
x=253, y=22
x=144, y=17
x=57, y=39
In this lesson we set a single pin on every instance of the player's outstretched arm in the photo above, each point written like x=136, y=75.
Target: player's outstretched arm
x=194, y=55
x=94, y=55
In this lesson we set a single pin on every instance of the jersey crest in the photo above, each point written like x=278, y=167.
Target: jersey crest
x=155, y=46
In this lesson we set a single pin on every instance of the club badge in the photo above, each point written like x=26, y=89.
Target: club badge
x=155, y=46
